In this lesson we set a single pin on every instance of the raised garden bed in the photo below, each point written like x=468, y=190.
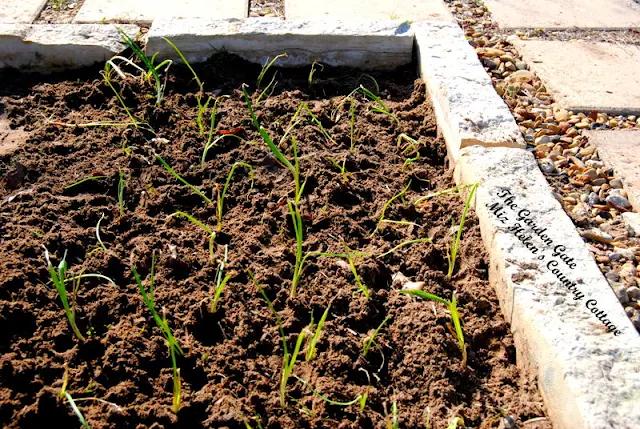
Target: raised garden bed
x=360, y=185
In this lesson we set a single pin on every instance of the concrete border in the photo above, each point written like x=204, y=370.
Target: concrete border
x=589, y=377
x=468, y=110
x=367, y=44
x=48, y=47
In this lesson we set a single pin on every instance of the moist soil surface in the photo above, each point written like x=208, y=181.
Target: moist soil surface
x=233, y=358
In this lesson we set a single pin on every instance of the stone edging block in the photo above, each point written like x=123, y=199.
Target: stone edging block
x=468, y=109
x=589, y=377
x=367, y=44
x=48, y=47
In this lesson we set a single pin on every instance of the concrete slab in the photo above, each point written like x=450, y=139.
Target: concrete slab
x=468, y=110
x=145, y=11
x=620, y=149
x=585, y=76
x=369, y=44
x=568, y=326
x=601, y=14
x=367, y=9
x=20, y=11
x=48, y=47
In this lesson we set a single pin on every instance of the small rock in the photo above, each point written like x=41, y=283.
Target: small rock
x=596, y=235
x=615, y=257
x=612, y=276
x=521, y=76
x=413, y=286
x=616, y=201
x=521, y=65
x=547, y=166
x=632, y=221
x=622, y=294
x=594, y=164
x=616, y=184
x=591, y=173
x=633, y=293
x=489, y=52
x=628, y=271
x=628, y=254
x=561, y=115
x=398, y=279
x=592, y=199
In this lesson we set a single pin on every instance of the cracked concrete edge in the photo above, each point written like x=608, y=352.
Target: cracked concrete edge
x=49, y=47
x=589, y=377
x=468, y=109
x=384, y=44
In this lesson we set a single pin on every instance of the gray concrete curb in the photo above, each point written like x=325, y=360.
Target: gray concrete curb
x=364, y=44
x=589, y=376
x=48, y=47
x=468, y=109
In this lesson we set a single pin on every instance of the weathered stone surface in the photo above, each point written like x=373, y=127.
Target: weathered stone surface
x=371, y=44
x=601, y=14
x=50, y=46
x=585, y=76
x=590, y=378
x=372, y=9
x=145, y=11
x=20, y=11
x=620, y=149
x=468, y=109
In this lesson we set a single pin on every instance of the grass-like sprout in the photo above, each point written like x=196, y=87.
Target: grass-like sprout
x=152, y=70
x=59, y=278
x=180, y=179
x=293, y=168
x=453, y=252
x=208, y=230
x=381, y=107
x=369, y=341
x=296, y=218
x=405, y=243
x=86, y=179
x=213, y=143
x=454, y=422
x=266, y=68
x=174, y=348
x=412, y=147
x=303, y=109
x=122, y=184
x=360, y=399
x=394, y=423
x=352, y=124
x=313, y=341
x=342, y=167
x=350, y=255
x=440, y=193
x=223, y=193
x=290, y=358
x=386, y=206
x=65, y=394
x=313, y=71
x=107, y=73
x=102, y=246
x=452, y=306
x=220, y=281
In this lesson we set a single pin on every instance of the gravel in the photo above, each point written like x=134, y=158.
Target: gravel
x=588, y=189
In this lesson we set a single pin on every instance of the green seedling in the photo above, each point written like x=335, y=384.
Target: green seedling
x=208, y=230
x=394, y=423
x=65, y=394
x=343, y=170
x=151, y=69
x=202, y=107
x=360, y=399
x=293, y=168
x=352, y=123
x=314, y=120
x=213, y=143
x=122, y=184
x=452, y=306
x=268, y=90
x=86, y=179
x=381, y=107
x=296, y=219
x=107, y=75
x=454, y=422
x=412, y=145
x=311, y=348
x=453, y=253
x=289, y=359
x=102, y=246
x=222, y=194
x=180, y=179
x=369, y=341
x=59, y=278
x=386, y=206
x=405, y=243
x=313, y=71
x=148, y=297
x=440, y=193
x=220, y=281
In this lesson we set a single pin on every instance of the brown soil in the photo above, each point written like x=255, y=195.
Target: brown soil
x=233, y=358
